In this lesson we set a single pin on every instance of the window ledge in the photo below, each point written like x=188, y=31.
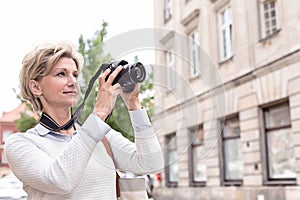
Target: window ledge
x=170, y=91
x=197, y=184
x=270, y=36
x=172, y=185
x=166, y=20
x=191, y=78
x=226, y=60
x=280, y=182
x=233, y=183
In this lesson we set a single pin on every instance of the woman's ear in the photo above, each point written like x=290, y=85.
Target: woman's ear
x=35, y=88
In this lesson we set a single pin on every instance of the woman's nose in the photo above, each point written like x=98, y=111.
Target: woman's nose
x=72, y=80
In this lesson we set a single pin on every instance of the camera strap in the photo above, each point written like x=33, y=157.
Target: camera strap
x=52, y=125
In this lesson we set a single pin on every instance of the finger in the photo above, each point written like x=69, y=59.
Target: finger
x=117, y=88
x=104, y=75
x=138, y=86
x=112, y=77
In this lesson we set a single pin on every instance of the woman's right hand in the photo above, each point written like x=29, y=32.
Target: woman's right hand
x=107, y=93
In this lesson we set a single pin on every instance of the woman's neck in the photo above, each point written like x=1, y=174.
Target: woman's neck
x=61, y=117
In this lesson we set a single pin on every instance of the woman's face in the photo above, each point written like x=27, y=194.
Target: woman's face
x=60, y=89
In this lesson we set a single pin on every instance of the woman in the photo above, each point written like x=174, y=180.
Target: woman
x=78, y=162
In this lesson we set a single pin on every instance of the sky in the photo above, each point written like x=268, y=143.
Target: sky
x=25, y=23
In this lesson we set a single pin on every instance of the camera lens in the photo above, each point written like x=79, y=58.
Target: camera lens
x=137, y=72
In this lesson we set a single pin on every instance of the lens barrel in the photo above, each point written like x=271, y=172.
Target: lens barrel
x=137, y=72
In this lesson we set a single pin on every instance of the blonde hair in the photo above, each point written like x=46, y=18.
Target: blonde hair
x=39, y=62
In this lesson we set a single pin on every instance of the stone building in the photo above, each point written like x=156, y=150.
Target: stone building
x=227, y=101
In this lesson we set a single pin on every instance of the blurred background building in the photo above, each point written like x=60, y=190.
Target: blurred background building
x=8, y=126
x=228, y=99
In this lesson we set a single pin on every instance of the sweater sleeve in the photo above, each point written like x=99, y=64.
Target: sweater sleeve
x=35, y=168
x=144, y=156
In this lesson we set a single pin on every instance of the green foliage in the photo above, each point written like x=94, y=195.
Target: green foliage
x=92, y=51
x=25, y=122
x=120, y=121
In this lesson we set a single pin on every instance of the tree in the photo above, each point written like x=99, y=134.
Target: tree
x=26, y=121
x=92, y=51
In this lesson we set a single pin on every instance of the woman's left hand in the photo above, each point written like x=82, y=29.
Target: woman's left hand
x=131, y=99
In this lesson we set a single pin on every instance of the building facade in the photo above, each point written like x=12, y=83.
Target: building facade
x=227, y=99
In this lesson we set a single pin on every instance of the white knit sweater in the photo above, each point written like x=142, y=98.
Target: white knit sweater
x=53, y=167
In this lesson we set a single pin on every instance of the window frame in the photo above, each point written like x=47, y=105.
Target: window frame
x=225, y=48
x=168, y=138
x=267, y=180
x=263, y=34
x=194, y=54
x=224, y=181
x=192, y=132
x=167, y=10
x=4, y=136
x=170, y=70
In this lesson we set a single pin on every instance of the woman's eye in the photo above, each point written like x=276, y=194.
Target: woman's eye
x=61, y=74
x=75, y=75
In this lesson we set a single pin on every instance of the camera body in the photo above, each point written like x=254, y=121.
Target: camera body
x=129, y=76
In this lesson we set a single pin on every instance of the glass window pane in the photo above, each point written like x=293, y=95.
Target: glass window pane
x=199, y=168
x=278, y=116
x=173, y=166
x=170, y=70
x=269, y=12
x=273, y=13
x=281, y=154
x=231, y=128
x=5, y=135
x=172, y=143
x=197, y=137
x=223, y=17
x=194, y=53
x=266, y=15
x=233, y=159
x=225, y=27
x=272, y=4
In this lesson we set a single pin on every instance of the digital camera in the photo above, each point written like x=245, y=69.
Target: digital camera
x=129, y=76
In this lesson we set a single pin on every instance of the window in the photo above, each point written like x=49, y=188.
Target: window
x=170, y=72
x=194, y=49
x=5, y=135
x=225, y=33
x=269, y=21
x=279, y=146
x=172, y=167
x=232, y=152
x=168, y=9
x=198, y=167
